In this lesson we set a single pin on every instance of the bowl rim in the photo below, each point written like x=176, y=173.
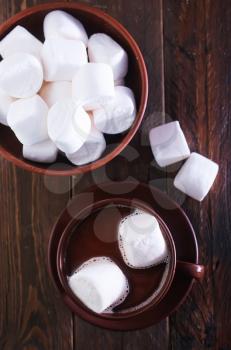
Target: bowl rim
x=74, y=303
x=12, y=21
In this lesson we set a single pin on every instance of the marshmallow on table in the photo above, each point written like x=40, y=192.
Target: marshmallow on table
x=68, y=125
x=43, y=152
x=99, y=283
x=5, y=103
x=196, y=176
x=168, y=144
x=21, y=75
x=62, y=57
x=117, y=115
x=92, y=149
x=20, y=40
x=93, y=85
x=55, y=91
x=62, y=24
x=28, y=119
x=141, y=241
x=103, y=49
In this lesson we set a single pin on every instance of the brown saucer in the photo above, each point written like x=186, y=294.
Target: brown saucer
x=181, y=230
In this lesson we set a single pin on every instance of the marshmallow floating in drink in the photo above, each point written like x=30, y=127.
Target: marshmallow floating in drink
x=62, y=57
x=102, y=48
x=68, y=125
x=196, y=176
x=62, y=24
x=21, y=75
x=5, y=103
x=20, y=40
x=168, y=144
x=100, y=284
x=28, y=119
x=43, y=152
x=92, y=149
x=93, y=85
x=141, y=241
x=117, y=115
x=55, y=91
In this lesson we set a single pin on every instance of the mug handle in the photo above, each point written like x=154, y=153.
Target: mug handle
x=192, y=270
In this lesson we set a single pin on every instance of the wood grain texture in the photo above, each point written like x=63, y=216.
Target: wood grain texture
x=187, y=48
x=197, y=64
x=31, y=312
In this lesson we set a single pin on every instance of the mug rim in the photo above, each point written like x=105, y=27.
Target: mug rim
x=75, y=304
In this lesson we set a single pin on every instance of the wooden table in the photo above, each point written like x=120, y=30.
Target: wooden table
x=187, y=48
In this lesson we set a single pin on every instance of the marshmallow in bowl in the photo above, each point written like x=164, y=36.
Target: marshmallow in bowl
x=62, y=57
x=68, y=125
x=102, y=48
x=5, y=103
x=61, y=24
x=55, y=91
x=168, y=144
x=28, y=119
x=91, y=150
x=21, y=75
x=99, y=283
x=93, y=85
x=196, y=176
x=117, y=115
x=20, y=39
x=141, y=241
x=42, y=152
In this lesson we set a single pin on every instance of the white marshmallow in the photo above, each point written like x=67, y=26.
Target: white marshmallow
x=103, y=49
x=20, y=40
x=42, y=152
x=93, y=85
x=55, y=91
x=62, y=24
x=196, y=176
x=28, y=119
x=5, y=103
x=91, y=150
x=62, y=58
x=118, y=114
x=141, y=241
x=168, y=144
x=21, y=75
x=99, y=283
x=68, y=125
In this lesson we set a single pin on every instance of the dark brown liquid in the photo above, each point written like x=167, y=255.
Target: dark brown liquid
x=97, y=236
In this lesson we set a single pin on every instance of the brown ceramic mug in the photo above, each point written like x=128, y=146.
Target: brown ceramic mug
x=79, y=243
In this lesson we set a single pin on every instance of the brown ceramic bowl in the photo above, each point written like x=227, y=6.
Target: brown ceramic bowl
x=94, y=21
x=93, y=233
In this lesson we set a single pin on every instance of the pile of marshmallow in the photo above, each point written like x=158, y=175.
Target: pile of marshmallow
x=100, y=283
x=169, y=145
x=65, y=93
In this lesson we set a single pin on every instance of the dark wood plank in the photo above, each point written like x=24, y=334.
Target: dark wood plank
x=185, y=90
x=144, y=21
x=219, y=148
x=30, y=310
x=197, y=65
x=32, y=316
